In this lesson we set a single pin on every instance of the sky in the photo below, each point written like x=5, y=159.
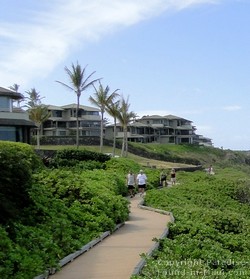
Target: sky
x=189, y=58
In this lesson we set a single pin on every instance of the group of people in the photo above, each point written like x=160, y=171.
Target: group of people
x=163, y=178
x=140, y=180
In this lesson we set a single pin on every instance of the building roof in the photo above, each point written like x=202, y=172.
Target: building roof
x=133, y=124
x=52, y=107
x=10, y=93
x=172, y=117
x=137, y=124
x=151, y=117
x=87, y=108
x=169, y=117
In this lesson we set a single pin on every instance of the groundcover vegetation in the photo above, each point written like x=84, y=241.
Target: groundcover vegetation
x=210, y=237
x=50, y=212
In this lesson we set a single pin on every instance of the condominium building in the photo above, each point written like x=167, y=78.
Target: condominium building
x=15, y=124
x=62, y=121
x=160, y=129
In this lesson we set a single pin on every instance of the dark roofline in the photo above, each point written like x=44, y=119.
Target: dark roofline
x=10, y=93
x=16, y=122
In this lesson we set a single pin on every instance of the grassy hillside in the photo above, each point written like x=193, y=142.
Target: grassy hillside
x=168, y=155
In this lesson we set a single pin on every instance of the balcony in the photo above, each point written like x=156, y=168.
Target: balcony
x=14, y=115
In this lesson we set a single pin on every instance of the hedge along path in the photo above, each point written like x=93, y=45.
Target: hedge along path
x=119, y=255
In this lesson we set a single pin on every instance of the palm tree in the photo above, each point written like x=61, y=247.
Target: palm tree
x=79, y=83
x=15, y=87
x=125, y=117
x=39, y=114
x=113, y=110
x=34, y=98
x=102, y=99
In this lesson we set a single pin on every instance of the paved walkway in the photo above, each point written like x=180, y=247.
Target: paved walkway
x=117, y=255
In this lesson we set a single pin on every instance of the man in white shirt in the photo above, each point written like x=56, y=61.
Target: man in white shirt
x=141, y=182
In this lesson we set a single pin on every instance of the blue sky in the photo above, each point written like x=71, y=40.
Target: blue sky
x=189, y=58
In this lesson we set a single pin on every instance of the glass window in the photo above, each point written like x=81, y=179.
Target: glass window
x=61, y=124
x=5, y=103
x=62, y=133
x=72, y=124
x=84, y=112
x=9, y=133
x=57, y=113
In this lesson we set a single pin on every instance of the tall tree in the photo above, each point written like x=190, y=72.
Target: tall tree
x=15, y=87
x=38, y=112
x=34, y=98
x=125, y=117
x=79, y=82
x=102, y=99
x=113, y=110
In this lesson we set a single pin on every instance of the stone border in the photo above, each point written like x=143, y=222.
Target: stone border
x=141, y=264
x=137, y=270
x=69, y=258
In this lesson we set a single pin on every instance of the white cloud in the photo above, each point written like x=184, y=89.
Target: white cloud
x=33, y=48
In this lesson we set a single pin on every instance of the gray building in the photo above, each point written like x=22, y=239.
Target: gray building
x=15, y=124
x=159, y=129
x=63, y=121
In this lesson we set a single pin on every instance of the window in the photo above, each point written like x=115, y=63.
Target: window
x=73, y=112
x=84, y=112
x=62, y=133
x=57, y=113
x=5, y=103
x=72, y=124
x=61, y=124
x=11, y=133
x=90, y=124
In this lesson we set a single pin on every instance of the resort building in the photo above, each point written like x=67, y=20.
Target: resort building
x=159, y=129
x=15, y=124
x=63, y=121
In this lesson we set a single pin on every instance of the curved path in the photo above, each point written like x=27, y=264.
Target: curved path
x=118, y=254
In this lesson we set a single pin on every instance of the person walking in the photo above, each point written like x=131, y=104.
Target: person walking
x=130, y=180
x=211, y=170
x=173, y=176
x=141, y=182
x=163, y=179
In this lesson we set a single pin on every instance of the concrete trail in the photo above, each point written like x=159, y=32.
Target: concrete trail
x=117, y=255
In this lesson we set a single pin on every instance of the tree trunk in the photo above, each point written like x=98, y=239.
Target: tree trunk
x=77, y=122
x=123, y=144
x=38, y=137
x=101, y=137
x=126, y=141
x=114, y=138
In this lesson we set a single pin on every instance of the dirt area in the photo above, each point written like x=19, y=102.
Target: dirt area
x=161, y=164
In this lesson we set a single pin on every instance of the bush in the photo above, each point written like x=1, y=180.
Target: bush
x=17, y=163
x=72, y=157
x=210, y=235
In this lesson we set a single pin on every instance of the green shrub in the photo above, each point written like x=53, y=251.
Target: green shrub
x=242, y=192
x=17, y=163
x=210, y=235
x=72, y=157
